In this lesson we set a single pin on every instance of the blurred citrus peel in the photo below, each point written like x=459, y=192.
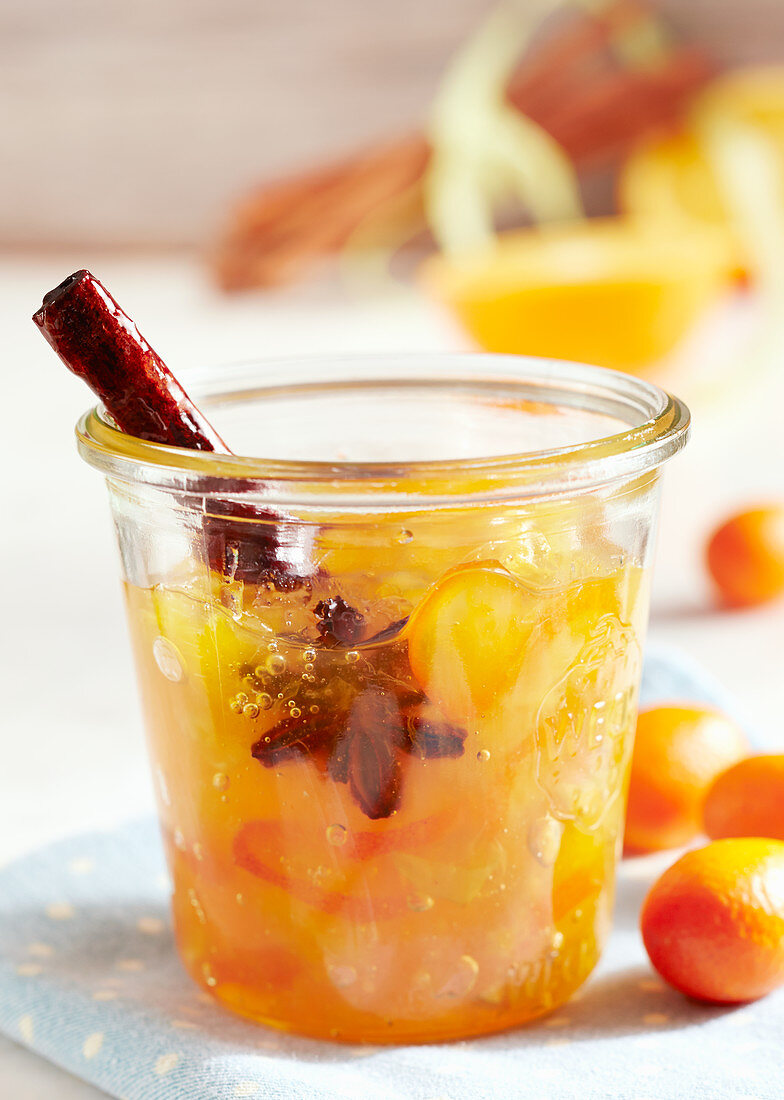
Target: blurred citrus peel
x=746, y=156
x=482, y=148
x=671, y=174
x=668, y=178
x=726, y=169
x=485, y=150
x=690, y=174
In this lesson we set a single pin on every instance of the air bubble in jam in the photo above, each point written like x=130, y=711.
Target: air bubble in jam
x=168, y=660
x=336, y=835
x=275, y=664
x=238, y=703
x=251, y=710
x=404, y=536
x=352, y=657
x=483, y=756
x=264, y=701
x=419, y=903
x=220, y=781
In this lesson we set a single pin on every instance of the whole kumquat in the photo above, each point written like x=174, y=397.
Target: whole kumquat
x=713, y=924
x=747, y=800
x=745, y=557
x=678, y=752
x=468, y=637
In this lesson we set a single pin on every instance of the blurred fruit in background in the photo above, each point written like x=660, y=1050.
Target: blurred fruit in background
x=703, y=199
x=747, y=800
x=541, y=99
x=713, y=924
x=537, y=102
x=678, y=752
x=671, y=175
x=667, y=177
x=745, y=557
x=672, y=178
x=612, y=291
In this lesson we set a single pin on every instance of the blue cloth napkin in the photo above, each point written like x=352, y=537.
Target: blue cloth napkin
x=89, y=978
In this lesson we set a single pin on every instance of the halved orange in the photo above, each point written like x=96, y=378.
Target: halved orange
x=616, y=292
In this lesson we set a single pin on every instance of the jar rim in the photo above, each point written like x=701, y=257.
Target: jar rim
x=658, y=425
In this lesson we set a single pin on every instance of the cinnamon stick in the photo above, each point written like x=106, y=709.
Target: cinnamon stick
x=99, y=343
x=279, y=230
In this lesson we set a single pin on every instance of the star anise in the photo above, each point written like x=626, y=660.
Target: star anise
x=293, y=737
x=363, y=747
x=365, y=723
x=375, y=733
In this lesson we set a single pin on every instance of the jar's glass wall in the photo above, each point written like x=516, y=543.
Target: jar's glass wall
x=389, y=673
x=390, y=750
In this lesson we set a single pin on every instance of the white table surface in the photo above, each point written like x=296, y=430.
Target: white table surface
x=70, y=735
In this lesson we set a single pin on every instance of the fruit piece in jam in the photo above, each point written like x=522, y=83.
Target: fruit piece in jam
x=385, y=815
x=468, y=638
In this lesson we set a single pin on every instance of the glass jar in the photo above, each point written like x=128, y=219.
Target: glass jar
x=389, y=672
